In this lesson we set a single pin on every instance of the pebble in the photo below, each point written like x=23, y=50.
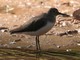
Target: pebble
x=68, y=50
x=72, y=31
x=58, y=46
x=14, y=35
x=30, y=46
x=13, y=42
x=61, y=34
x=64, y=24
x=18, y=47
x=78, y=30
x=69, y=35
x=2, y=30
x=8, y=8
x=78, y=44
x=17, y=40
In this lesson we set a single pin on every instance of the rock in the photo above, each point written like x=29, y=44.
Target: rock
x=76, y=14
x=65, y=23
x=18, y=47
x=29, y=46
x=17, y=40
x=78, y=30
x=2, y=30
x=13, y=42
x=78, y=44
x=58, y=46
x=72, y=31
x=68, y=50
x=61, y=34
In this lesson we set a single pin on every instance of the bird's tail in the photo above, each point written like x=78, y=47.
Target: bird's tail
x=15, y=30
x=12, y=31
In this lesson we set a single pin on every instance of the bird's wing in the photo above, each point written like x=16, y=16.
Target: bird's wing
x=32, y=25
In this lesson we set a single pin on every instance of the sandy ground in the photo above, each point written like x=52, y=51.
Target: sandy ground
x=14, y=13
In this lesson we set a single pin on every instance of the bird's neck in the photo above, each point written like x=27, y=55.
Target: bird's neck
x=52, y=14
x=52, y=17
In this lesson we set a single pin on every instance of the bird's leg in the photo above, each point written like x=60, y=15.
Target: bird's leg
x=37, y=47
x=37, y=44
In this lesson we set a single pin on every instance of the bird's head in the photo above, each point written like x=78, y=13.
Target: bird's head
x=54, y=11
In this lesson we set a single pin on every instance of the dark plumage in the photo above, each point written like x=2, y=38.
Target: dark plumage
x=34, y=24
x=39, y=25
x=37, y=22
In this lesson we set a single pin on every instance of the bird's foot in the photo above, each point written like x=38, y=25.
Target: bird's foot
x=38, y=53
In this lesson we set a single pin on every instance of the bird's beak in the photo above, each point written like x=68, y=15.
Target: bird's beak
x=65, y=15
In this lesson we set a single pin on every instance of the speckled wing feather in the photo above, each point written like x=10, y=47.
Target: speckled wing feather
x=33, y=24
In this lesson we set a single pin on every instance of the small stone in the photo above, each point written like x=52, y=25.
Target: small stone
x=29, y=46
x=78, y=44
x=69, y=35
x=62, y=34
x=14, y=35
x=8, y=8
x=68, y=50
x=18, y=47
x=2, y=30
x=72, y=31
x=13, y=42
x=64, y=24
x=58, y=46
x=17, y=40
x=78, y=30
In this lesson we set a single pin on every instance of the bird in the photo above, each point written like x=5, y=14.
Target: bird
x=39, y=25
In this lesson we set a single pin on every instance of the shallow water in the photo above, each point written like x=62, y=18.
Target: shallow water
x=23, y=54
